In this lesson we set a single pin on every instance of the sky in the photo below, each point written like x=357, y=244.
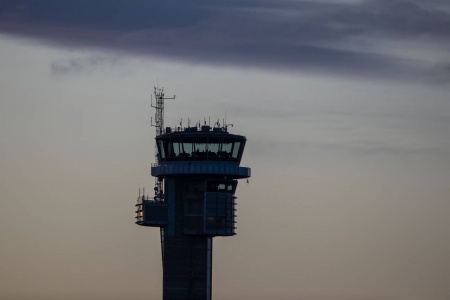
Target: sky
x=346, y=110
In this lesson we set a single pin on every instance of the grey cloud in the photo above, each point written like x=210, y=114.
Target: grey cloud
x=333, y=37
x=79, y=65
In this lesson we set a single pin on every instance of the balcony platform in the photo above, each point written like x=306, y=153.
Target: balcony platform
x=233, y=171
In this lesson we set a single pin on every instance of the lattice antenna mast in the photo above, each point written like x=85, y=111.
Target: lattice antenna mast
x=159, y=125
x=159, y=109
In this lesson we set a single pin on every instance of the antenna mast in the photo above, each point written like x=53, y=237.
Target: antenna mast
x=159, y=125
x=159, y=109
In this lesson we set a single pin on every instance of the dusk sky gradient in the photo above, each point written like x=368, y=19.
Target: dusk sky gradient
x=345, y=105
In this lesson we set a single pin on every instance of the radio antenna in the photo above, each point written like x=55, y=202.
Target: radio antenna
x=159, y=125
x=159, y=109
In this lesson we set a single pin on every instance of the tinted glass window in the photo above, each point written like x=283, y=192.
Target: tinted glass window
x=236, y=147
x=176, y=148
x=162, y=153
x=187, y=148
x=169, y=149
x=214, y=147
x=226, y=149
x=200, y=148
x=221, y=186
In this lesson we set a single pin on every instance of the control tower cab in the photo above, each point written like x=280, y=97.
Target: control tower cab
x=201, y=165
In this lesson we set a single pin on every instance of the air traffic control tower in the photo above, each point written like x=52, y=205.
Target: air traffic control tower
x=196, y=173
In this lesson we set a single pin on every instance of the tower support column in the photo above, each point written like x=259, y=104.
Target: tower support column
x=187, y=268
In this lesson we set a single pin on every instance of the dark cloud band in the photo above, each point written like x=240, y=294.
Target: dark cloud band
x=329, y=37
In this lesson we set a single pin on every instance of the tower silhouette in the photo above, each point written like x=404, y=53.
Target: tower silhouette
x=196, y=173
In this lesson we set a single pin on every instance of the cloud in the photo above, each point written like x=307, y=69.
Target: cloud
x=80, y=64
x=354, y=38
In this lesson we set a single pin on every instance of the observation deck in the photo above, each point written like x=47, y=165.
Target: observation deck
x=200, y=151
